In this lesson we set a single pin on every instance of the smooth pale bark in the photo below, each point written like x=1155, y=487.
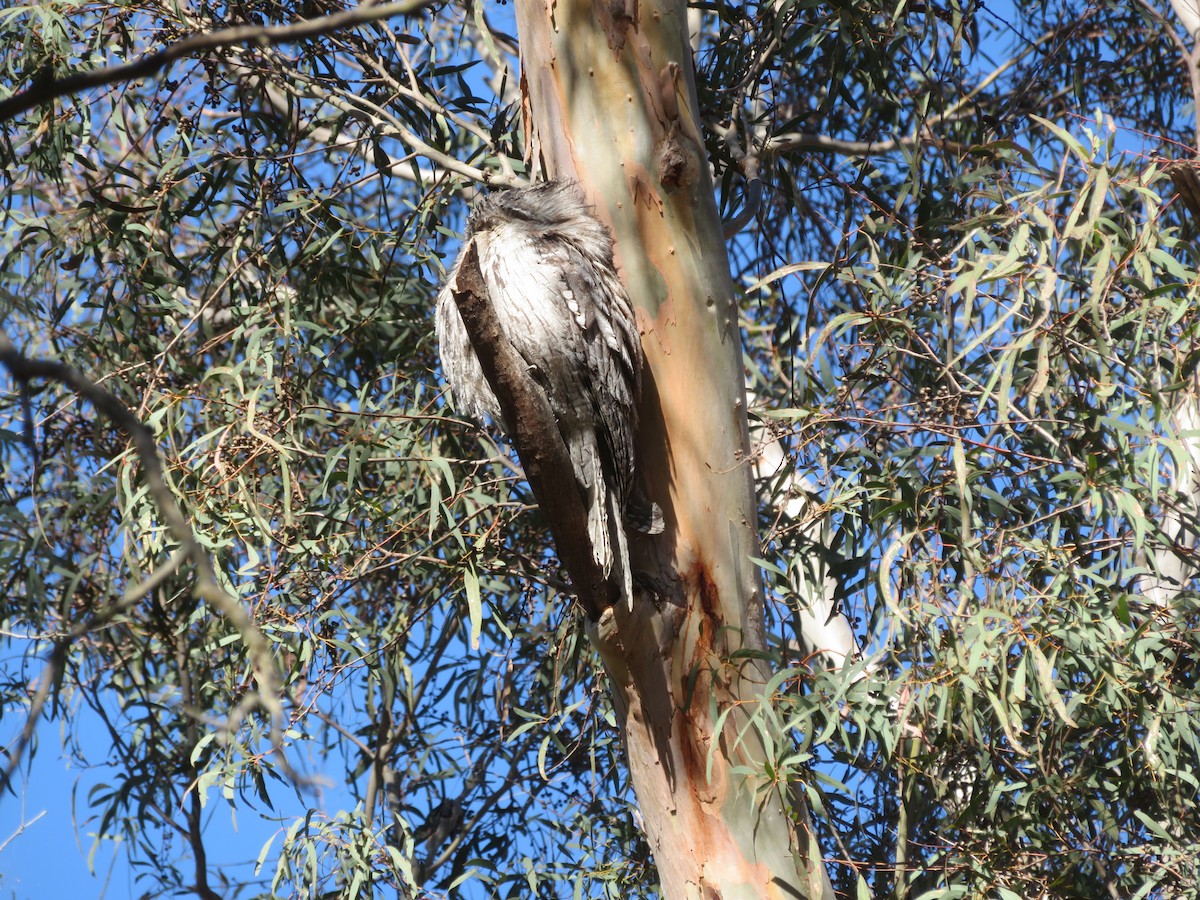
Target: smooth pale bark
x=1172, y=563
x=1188, y=13
x=826, y=635
x=609, y=99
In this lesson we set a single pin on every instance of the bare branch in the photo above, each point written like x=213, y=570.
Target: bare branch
x=25, y=823
x=753, y=188
x=789, y=141
x=41, y=92
x=826, y=634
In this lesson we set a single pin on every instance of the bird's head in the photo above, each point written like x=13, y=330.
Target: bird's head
x=550, y=205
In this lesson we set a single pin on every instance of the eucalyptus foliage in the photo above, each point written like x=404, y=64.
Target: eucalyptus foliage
x=971, y=312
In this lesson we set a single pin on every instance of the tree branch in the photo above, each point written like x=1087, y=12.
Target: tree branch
x=795, y=140
x=45, y=91
x=826, y=633
x=20, y=830
x=207, y=587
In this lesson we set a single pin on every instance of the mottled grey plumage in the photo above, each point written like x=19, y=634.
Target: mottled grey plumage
x=548, y=266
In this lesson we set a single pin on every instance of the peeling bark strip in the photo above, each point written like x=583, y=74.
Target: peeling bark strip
x=530, y=424
x=610, y=99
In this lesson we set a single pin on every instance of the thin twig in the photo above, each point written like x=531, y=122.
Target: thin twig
x=20, y=829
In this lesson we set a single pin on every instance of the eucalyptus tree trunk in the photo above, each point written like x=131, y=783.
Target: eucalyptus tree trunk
x=609, y=99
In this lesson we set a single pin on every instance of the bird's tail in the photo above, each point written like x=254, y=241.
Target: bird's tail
x=606, y=522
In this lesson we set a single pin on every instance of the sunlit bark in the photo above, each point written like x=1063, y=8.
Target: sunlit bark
x=610, y=100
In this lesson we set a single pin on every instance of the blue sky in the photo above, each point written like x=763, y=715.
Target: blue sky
x=49, y=858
